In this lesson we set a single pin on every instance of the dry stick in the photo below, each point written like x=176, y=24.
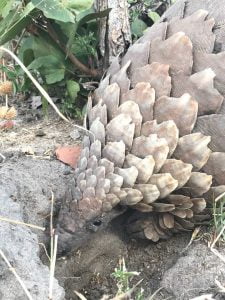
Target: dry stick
x=219, y=197
x=45, y=250
x=21, y=223
x=38, y=86
x=222, y=288
x=79, y=295
x=54, y=241
x=19, y=41
x=4, y=78
x=51, y=227
x=72, y=57
x=154, y=294
x=2, y=156
x=16, y=275
x=52, y=268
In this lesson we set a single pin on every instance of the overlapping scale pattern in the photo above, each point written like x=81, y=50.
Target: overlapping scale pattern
x=151, y=119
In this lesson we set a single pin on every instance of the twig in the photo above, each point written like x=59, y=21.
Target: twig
x=2, y=156
x=38, y=156
x=52, y=268
x=72, y=57
x=193, y=236
x=80, y=295
x=19, y=40
x=85, y=130
x=21, y=223
x=38, y=86
x=204, y=297
x=219, y=197
x=221, y=257
x=154, y=294
x=51, y=227
x=11, y=269
x=54, y=241
x=4, y=79
x=46, y=252
x=222, y=288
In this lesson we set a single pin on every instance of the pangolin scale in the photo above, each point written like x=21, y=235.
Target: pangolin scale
x=157, y=131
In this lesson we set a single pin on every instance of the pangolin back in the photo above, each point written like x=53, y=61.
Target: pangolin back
x=157, y=127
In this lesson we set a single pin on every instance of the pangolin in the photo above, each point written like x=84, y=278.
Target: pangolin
x=157, y=131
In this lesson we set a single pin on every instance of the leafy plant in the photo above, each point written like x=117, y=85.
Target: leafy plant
x=17, y=77
x=57, y=41
x=123, y=278
x=219, y=216
x=154, y=16
x=144, y=13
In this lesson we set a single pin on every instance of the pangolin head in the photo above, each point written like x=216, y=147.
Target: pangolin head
x=79, y=221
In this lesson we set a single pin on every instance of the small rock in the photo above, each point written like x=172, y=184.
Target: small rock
x=40, y=132
x=27, y=150
x=75, y=134
x=67, y=171
x=36, y=102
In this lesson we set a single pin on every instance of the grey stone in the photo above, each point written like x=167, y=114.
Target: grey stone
x=20, y=246
x=194, y=273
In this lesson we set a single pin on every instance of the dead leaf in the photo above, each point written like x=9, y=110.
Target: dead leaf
x=68, y=154
x=7, y=124
x=6, y=88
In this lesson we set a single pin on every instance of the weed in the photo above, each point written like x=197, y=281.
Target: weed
x=219, y=216
x=123, y=278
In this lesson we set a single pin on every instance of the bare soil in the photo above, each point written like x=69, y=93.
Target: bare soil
x=30, y=171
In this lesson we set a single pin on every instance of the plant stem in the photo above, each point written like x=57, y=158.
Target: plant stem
x=52, y=268
x=71, y=56
x=21, y=223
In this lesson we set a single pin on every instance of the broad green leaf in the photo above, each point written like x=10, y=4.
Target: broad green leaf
x=54, y=76
x=154, y=16
x=24, y=19
x=137, y=27
x=3, y=4
x=44, y=61
x=90, y=15
x=69, y=29
x=6, y=22
x=49, y=67
x=78, y=5
x=72, y=88
x=54, y=9
x=42, y=46
x=5, y=11
x=26, y=53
